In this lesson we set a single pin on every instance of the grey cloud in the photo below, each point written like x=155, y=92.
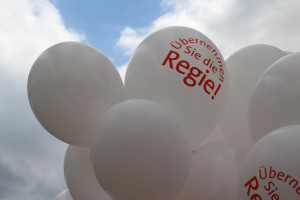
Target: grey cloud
x=31, y=160
x=251, y=22
x=8, y=179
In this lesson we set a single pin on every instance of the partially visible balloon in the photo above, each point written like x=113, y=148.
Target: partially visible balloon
x=139, y=152
x=182, y=69
x=70, y=85
x=215, y=172
x=276, y=100
x=288, y=52
x=80, y=176
x=64, y=195
x=271, y=168
x=215, y=136
x=245, y=67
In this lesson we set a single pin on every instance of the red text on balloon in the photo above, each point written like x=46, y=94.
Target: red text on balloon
x=252, y=185
x=193, y=75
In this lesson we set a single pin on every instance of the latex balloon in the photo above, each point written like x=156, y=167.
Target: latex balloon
x=182, y=69
x=245, y=67
x=215, y=136
x=271, y=168
x=69, y=86
x=80, y=176
x=139, y=151
x=276, y=99
x=215, y=172
x=64, y=195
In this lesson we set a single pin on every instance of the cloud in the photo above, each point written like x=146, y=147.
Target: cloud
x=31, y=160
x=27, y=28
x=230, y=24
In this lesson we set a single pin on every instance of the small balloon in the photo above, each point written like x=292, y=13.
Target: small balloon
x=70, y=85
x=245, y=67
x=139, y=151
x=275, y=101
x=271, y=168
x=215, y=172
x=80, y=176
x=64, y=195
x=215, y=136
x=182, y=69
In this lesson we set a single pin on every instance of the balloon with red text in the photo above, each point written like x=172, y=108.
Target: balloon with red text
x=69, y=86
x=139, y=151
x=182, y=69
x=245, y=67
x=275, y=101
x=271, y=168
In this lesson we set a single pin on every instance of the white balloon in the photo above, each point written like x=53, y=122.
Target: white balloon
x=64, y=195
x=182, y=69
x=245, y=67
x=139, y=151
x=215, y=172
x=80, y=176
x=215, y=136
x=276, y=99
x=288, y=52
x=69, y=86
x=271, y=168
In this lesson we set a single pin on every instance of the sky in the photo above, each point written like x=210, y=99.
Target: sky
x=31, y=160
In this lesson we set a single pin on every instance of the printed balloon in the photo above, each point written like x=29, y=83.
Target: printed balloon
x=271, y=168
x=182, y=69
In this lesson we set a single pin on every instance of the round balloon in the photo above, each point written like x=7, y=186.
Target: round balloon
x=245, y=67
x=80, y=176
x=215, y=136
x=64, y=195
x=182, y=69
x=215, y=172
x=275, y=101
x=139, y=151
x=271, y=168
x=69, y=86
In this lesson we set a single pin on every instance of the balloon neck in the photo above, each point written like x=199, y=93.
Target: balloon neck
x=194, y=151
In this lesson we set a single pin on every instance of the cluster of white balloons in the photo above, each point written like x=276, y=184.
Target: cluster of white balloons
x=181, y=125
x=263, y=115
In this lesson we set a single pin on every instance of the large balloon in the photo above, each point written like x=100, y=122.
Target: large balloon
x=139, y=151
x=276, y=99
x=64, y=195
x=80, y=176
x=245, y=67
x=215, y=172
x=69, y=86
x=182, y=69
x=271, y=168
